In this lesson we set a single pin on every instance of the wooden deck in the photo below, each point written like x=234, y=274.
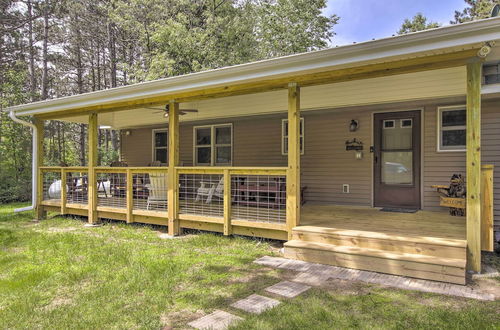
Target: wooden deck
x=422, y=224
x=428, y=245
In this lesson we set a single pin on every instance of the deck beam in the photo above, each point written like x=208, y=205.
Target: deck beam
x=293, y=171
x=173, y=161
x=474, y=165
x=92, y=163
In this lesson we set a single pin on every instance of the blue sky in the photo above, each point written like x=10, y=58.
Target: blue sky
x=362, y=20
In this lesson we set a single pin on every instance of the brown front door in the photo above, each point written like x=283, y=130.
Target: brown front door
x=397, y=159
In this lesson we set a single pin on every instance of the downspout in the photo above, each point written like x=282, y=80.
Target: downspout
x=34, y=163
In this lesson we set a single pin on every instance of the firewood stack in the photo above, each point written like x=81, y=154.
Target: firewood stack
x=457, y=189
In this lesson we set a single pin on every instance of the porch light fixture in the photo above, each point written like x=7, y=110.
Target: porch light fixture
x=128, y=132
x=354, y=125
x=358, y=154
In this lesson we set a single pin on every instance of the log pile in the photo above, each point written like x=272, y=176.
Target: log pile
x=453, y=196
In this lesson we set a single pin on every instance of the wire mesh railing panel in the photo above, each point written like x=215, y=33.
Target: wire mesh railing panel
x=111, y=189
x=51, y=186
x=260, y=198
x=77, y=187
x=150, y=191
x=201, y=194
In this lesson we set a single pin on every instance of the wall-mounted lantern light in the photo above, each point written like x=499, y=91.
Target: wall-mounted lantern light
x=354, y=125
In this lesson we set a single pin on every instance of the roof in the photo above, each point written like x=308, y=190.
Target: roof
x=431, y=41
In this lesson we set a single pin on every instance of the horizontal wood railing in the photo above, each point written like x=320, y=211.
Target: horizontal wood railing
x=241, y=200
x=234, y=197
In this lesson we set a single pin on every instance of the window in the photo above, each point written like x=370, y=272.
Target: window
x=491, y=74
x=213, y=145
x=160, y=145
x=284, y=136
x=451, y=128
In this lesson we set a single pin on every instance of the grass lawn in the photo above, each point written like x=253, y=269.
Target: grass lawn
x=57, y=274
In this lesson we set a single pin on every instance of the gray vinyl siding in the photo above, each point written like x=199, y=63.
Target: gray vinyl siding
x=326, y=165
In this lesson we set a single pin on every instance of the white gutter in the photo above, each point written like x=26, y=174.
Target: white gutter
x=34, y=163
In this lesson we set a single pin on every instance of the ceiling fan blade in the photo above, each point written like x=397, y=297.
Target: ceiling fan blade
x=189, y=110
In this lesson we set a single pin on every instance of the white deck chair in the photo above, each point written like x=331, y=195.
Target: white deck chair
x=210, y=189
x=157, y=190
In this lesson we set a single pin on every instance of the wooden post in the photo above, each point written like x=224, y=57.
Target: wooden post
x=293, y=172
x=92, y=159
x=487, y=240
x=474, y=166
x=64, y=191
x=173, y=161
x=227, y=203
x=130, y=196
x=40, y=213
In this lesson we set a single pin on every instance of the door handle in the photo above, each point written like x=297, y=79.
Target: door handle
x=375, y=159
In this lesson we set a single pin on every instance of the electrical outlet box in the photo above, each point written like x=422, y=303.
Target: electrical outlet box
x=345, y=188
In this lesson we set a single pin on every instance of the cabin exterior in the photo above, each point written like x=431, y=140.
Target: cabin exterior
x=338, y=152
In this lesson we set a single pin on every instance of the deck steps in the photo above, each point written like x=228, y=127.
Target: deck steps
x=431, y=258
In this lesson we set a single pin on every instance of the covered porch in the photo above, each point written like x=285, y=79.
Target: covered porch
x=264, y=200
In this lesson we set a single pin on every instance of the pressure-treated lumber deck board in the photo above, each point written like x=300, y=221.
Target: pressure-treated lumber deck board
x=384, y=242
x=418, y=266
x=422, y=224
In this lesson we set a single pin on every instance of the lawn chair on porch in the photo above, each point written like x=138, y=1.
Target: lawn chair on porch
x=157, y=190
x=210, y=189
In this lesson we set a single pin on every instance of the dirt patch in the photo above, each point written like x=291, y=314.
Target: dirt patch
x=61, y=229
x=58, y=302
x=171, y=320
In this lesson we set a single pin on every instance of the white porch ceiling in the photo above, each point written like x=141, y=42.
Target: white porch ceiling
x=405, y=87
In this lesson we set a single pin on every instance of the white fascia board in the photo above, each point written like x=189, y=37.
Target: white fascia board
x=453, y=36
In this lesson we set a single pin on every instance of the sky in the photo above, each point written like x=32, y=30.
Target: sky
x=362, y=20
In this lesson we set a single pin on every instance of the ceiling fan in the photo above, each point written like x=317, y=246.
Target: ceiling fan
x=167, y=108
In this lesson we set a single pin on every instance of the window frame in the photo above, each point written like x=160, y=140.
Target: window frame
x=440, y=129
x=285, y=137
x=153, y=143
x=213, y=145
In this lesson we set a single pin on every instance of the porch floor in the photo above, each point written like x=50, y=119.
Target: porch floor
x=430, y=224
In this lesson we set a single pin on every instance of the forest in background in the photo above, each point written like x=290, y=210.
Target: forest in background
x=55, y=48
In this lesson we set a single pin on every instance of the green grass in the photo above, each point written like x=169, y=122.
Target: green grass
x=58, y=274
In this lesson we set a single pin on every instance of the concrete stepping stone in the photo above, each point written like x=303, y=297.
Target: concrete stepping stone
x=313, y=279
x=255, y=304
x=288, y=289
x=218, y=320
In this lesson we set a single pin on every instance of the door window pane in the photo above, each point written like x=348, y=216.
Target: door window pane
x=203, y=155
x=203, y=136
x=397, y=167
x=223, y=135
x=223, y=155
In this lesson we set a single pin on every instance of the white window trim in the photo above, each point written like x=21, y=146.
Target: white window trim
x=153, y=145
x=283, y=136
x=439, y=128
x=213, y=145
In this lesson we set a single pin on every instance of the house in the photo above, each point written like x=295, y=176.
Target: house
x=352, y=131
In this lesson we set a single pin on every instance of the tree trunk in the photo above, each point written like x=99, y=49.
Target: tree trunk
x=31, y=51
x=45, y=73
x=112, y=54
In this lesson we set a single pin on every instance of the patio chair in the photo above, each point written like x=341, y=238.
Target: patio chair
x=210, y=189
x=157, y=190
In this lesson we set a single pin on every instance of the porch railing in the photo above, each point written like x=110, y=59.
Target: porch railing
x=235, y=198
